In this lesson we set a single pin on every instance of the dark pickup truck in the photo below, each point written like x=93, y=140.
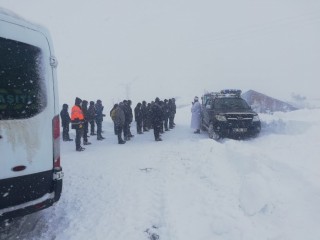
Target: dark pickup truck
x=226, y=114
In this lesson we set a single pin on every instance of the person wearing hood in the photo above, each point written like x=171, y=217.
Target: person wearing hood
x=77, y=120
x=65, y=121
x=196, y=115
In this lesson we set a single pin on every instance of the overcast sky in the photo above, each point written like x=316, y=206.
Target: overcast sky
x=146, y=48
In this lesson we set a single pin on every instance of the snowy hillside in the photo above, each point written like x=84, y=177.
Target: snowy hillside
x=189, y=187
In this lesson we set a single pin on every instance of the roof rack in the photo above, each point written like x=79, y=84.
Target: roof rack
x=226, y=93
x=232, y=91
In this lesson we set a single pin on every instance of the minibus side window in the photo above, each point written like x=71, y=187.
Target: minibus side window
x=22, y=86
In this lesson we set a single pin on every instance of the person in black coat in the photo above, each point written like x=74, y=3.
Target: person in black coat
x=166, y=114
x=99, y=119
x=85, y=123
x=91, y=116
x=128, y=119
x=144, y=111
x=157, y=118
x=149, y=115
x=65, y=122
x=138, y=117
x=172, y=112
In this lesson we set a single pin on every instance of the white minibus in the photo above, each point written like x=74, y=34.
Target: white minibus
x=30, y=170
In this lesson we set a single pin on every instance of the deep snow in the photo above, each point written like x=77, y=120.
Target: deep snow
x=188, y=186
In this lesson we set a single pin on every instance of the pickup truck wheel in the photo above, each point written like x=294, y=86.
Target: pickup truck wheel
x=212, y=134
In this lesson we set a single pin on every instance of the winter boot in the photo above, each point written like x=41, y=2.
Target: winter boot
x=80, y=149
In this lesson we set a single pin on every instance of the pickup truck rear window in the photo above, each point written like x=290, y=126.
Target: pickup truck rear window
x=22, y=86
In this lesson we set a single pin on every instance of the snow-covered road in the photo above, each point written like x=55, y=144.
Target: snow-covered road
x=189, y=187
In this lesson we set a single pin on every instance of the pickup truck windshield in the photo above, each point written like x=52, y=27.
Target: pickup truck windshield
x=230, y=103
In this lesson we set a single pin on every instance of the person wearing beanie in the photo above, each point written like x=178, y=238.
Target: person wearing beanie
x=196, y=115
x=77, y=120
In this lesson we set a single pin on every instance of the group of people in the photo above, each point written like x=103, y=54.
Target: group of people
x=157, y=115
x=81, y=116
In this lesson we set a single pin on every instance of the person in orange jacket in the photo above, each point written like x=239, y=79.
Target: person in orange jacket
x=77, y=121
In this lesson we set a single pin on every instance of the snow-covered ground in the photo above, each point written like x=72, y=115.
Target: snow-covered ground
x=189, y=187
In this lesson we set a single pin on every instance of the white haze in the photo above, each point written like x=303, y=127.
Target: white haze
x=142, y=49
x=187, y=187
